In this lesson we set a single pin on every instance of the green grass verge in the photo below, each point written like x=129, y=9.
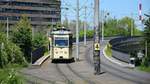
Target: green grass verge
x=10, y=75
x=46, y=53
x=108, y=50
x=143, y=68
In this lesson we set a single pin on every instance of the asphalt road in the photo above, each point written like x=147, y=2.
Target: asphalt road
x=132, y=75
x=82, y=72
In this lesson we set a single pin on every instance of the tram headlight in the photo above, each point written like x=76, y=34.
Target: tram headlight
x=56, y=52
x=65, y=52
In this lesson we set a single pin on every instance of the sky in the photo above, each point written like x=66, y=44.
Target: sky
x=116, y=8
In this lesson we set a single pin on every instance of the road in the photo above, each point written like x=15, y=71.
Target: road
x=82, y=72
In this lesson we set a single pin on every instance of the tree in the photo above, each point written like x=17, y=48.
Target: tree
x=22, y=36
x=39, y=40
x=113, y=27
x=9, y=52
x=137, y=32
x=146, y=61
x=2, y=27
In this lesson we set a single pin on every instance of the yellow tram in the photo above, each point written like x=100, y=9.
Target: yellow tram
x=61, y=44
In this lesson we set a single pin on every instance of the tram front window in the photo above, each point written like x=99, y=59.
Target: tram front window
x=61, y=43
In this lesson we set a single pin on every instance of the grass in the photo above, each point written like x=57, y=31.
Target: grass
x=143, y=68
x=10, y=75
x=46, y=53
x=108, y=50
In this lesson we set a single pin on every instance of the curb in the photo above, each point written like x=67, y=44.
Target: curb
x=40, y=61
x=116, y=62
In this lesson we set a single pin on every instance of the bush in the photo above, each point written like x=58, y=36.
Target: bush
x=9, y=52
x=10, y=77
x=39, y=40
x=22, y=36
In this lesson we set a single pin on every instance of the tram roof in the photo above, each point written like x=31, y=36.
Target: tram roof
x=61, y=31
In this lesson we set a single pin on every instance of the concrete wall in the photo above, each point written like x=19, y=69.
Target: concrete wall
x=117, y=53
x=121, y=56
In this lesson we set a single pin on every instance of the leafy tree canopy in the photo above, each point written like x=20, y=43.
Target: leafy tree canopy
x=9, y=52
x=39, y=40
x=22, y=36
x=146, y=61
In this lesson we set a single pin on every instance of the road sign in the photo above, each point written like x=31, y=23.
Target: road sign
x=96, y=46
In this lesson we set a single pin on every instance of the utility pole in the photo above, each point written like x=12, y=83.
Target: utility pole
x=66, y=18
x=96, y=53
x=7, y=28
x=85, y=26
x=102, y=21
x=77, y=32
x=146, y=49
x=32, y=39
x=1, y=50
x=132, y=24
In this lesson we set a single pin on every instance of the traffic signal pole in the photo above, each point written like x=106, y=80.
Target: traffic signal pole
x=96, y=54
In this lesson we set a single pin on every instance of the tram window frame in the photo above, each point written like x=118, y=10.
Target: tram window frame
x=66, y=38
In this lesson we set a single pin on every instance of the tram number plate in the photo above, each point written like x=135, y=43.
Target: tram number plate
x=96, y=46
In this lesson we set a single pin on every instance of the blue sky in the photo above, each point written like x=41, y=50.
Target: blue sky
x=116, y=8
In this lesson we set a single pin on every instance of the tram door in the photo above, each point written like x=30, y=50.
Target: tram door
x=50, y=46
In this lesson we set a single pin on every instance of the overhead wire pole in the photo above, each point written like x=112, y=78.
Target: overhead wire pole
x=102, y=20
x=96, y=53
x=7, y=27
x=142, y=25
x=31, y=48
x=77, y=32
x=132, y=25
x=66, y=18
x=85, y=26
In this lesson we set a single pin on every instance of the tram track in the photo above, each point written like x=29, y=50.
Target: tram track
x=79, y=75
x=63, y=74
x=36, y=79
x=76, y=74
x=72, y=72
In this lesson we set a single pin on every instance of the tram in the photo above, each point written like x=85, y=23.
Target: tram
x=61, y=44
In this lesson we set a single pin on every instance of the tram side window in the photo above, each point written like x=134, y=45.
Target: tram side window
x=61, y=43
